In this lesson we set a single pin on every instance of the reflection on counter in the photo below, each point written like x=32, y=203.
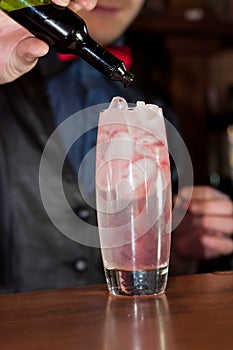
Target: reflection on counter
x=133, y=319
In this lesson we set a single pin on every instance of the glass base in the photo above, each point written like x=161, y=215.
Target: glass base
x=137, y=283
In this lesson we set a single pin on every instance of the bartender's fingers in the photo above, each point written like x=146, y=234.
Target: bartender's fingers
x=77, y=5
x=29, y=50
x=223, y=206
x=198, y=194
x=19, y=49
x=204, y=193
x=61, y=2
x=216, y=246
x=222, y=224
x=22, y=59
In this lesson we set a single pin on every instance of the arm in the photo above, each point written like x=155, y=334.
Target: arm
x=205, y=232
x=19, y=49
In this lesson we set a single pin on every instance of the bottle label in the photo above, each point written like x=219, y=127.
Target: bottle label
x=11, y=5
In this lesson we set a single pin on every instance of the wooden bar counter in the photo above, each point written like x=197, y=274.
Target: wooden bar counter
x=195, y=313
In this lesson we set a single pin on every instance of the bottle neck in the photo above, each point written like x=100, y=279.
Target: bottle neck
x=66, y=32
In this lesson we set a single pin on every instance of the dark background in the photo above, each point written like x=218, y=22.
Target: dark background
x=187, y=49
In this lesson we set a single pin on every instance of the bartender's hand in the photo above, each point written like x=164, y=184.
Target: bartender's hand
x=206, y=230
x=19, y=49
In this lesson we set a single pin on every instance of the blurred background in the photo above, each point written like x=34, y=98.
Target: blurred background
x=188, y=46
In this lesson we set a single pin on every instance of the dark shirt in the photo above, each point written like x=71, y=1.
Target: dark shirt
x=34, y=253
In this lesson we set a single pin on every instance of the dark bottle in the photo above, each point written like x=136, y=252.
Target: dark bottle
x=66, y=32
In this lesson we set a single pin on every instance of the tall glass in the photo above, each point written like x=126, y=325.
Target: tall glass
x=133, y=191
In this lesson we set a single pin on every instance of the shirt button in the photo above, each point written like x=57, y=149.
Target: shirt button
x=81, y=265
x=83, y=213
x=68, y=177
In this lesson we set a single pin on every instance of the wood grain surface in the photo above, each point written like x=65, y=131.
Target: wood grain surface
x=195, y=313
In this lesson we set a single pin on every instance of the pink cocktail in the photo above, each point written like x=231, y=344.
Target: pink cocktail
x=133, y=188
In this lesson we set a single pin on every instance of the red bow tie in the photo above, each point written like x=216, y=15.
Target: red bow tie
x=124, y=53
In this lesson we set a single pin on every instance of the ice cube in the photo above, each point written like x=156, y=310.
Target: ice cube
x=121, y=146
x=124, y=190
x=110, y=173
x=141, y=172
x=140, y=104
x=144, y=145
x=161, y=154
x=114, y=112
x=118, y=103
